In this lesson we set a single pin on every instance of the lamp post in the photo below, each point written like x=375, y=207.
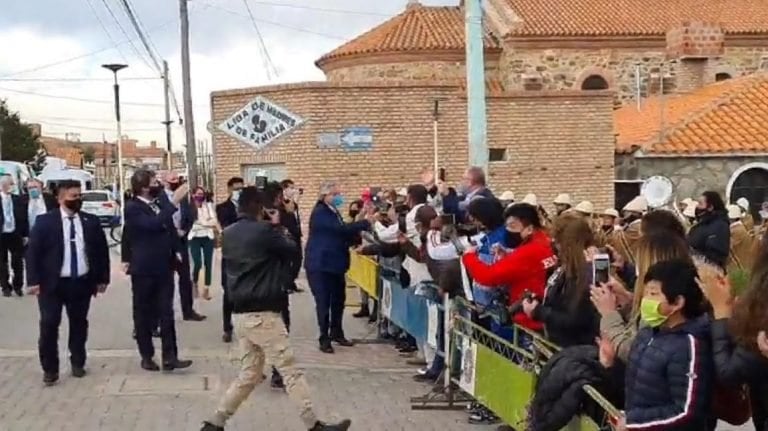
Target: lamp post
x=121, y=177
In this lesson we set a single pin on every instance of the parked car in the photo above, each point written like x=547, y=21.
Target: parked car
x=101, y=204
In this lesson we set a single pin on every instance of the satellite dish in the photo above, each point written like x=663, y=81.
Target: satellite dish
x=657, y=191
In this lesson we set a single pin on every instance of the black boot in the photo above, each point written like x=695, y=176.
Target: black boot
x=341, y=426
x=207, y=426
x=364, y=312
x=277, y=380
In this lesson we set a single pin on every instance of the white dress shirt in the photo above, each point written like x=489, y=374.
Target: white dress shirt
x=82, y=262
x=35, y=208
x=9, y=221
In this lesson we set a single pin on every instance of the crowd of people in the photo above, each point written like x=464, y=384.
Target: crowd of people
x=667, y=336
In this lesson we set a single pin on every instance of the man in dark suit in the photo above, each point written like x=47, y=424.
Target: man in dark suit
x=37, y=202
x=67, y=264
x=151, y=259
x=226, y=213
x=292, y=221
x=328, y=261
x=183, y=219
x=14, y=230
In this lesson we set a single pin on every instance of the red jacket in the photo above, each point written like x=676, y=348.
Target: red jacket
x=523, y=269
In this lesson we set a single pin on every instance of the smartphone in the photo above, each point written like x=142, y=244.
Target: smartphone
x=448, y=219
x=441, y=174
x=601, y=267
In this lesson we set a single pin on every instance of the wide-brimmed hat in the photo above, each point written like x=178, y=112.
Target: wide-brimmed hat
x=562, y=199
x=531, y=199
x=585, y=207
x=610, y=212
x=734, y=212
x=507, y=196
x=743, y=203
x=690, y=210
x=637, y=205
x=402, y=192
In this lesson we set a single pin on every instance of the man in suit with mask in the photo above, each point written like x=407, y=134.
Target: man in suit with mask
x=67, y=264
x=150, y=259
x=14, y=230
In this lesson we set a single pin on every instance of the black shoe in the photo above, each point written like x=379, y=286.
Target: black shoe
x=176, y=364
x=207, y=426
x=505, y=428
x=194, y=317
x=372, y=319
x=78, y=372
x=149, y=365
x=7, y=293
x=341, y=341
x=341, y=426
x=50, y=379
x=19, y=293
x=156, y=333
x=227, y=337
x=408, y=349
x=425, y=378
x=364, y=312
x=326, y=347
x=277, y=382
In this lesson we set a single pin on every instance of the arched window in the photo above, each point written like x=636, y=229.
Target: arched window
x=594, y=82
x=722, y=76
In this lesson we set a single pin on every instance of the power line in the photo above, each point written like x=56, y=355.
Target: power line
x=276, y=24
x=104, y=29
x=319, y=9
x=86, y=100
x=102, y=120
x=100, y=129
x=125, y=33
x=265, y=57
x=76, y=79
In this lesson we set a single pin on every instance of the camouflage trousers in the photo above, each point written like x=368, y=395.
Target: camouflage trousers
x=263, y=340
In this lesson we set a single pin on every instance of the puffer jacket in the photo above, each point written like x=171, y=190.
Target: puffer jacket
x=711, y=238
x=669, y=379
x=559, y=395
x=735, y=365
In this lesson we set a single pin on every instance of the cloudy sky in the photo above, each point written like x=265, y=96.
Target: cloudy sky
x=55, y=48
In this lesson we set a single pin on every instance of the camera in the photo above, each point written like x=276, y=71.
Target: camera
x=260, y=182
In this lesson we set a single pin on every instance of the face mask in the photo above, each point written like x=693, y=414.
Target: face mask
x=629, y=218
x=174, y=186
x=512, y=239
x=155, y=191
x=34, y=193
x=74, y=205
x=649, y=312
x=700, y=212
x=607, y=227
x=353, y=213
x=337, y=201
x=236, y=195
x=199, y=199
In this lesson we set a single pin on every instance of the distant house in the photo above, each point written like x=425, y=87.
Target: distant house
x=712, y=138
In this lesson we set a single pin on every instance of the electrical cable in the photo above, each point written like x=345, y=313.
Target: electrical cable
x=265, y=57
x=125, y=33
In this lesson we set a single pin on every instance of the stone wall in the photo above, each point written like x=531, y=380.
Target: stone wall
x=555, y=142
x=690, y=175
x=414, y=71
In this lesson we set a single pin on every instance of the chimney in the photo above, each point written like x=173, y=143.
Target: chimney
x=696, y=45
x=412, y=4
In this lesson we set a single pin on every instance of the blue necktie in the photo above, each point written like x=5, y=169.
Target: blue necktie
x=72, y=248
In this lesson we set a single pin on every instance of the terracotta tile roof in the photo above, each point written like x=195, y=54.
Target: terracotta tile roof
x=418, y=28
x=723, y=118
x=634, y=17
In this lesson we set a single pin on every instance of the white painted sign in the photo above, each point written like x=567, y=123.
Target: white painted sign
x=386, y=298
x=260, y=122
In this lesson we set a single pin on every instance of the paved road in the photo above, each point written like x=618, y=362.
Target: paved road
x=368, y=383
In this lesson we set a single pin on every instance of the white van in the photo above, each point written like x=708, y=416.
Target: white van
x=51, y=178
x=18, y=171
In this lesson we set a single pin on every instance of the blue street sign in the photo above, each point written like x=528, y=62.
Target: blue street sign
x=357, y=139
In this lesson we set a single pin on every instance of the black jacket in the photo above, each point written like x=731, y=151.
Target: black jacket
x=559, y=395
x=670, y=378
x=711, y=238
x=567, y=323
x=258, y=257
x=736, y=365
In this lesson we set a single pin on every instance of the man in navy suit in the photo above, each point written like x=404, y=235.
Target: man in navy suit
x=67, y=264
x=226, y=213
x=327, y=261
x=150, y=260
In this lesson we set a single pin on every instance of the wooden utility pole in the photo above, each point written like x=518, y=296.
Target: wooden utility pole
x=167, y=122
x=189, y=121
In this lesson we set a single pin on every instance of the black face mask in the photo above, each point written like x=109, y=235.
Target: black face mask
x=174, y=186
x=74, y=205
x=701, y=212
x=607, y=228
x=155, y=191
x=353, y=213
x=512, y=239
x=630, y=218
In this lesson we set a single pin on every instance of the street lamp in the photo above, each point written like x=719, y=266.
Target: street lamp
x=121, y=178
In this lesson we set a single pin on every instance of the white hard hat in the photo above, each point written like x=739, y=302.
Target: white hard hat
x=743, y=203
x=507, y=196
x=531, y=199
x=690, y=210
x=562, y=199
x=610, y=212
x=637, y=205
x=734, y=212
x=585, y=207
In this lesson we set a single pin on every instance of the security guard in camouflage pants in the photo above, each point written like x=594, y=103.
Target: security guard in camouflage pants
x=258, y=254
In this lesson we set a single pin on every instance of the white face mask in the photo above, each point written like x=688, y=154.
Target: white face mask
x=236, y=195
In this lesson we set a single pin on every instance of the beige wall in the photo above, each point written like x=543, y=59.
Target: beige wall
x=556, y=142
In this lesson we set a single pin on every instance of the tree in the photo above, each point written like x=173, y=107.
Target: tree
x=89, y=154
x=18, y=140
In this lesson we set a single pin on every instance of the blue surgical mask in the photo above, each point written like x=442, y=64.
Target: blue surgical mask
x=236, y=195
x=34, y=193
x=338, y=201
